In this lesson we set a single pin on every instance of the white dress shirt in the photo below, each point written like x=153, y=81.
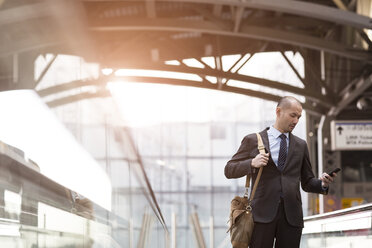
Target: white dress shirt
x=274, y=142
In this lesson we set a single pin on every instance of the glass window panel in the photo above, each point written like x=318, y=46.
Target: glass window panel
x=223, y=145
x=221, y=207
x=201, y=204
x=174, y=139
x=119, y=143
x=198, y=140
x=199, y=171
x=121, y=200
x=119, y=172
x=219, y=179
x=243, y=129
x=221, y=238
x=148, y=140
x=93, y=140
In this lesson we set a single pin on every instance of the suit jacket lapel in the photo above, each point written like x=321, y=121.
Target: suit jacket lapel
x=265, y=141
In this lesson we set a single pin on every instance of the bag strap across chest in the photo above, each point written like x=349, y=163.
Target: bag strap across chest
x=261, y=149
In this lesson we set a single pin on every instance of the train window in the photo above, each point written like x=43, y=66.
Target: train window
x=12, y=206
x=368, y=171
x=357, y=166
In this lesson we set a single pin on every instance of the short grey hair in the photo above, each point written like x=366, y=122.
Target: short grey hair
x=286, y=101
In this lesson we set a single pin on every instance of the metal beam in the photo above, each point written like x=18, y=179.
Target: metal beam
x=320, y=82
x=170, y=81
x=26, y=12
x=361, y=32
x=45, y=70
x=315, y=96
x=294, y=69
x=34, y=26
x=340, y=4
x=353, y=90
x=196, y=48
x=150, y=8
x=30, y=44
x=185, y=51
x=243, y=64
x=365, y=37
x=66, y=10
x=294, y=22
x=72, y=85
x=237, y=70
x=213, y=17
x=218, y=63
x=255, y=32
x=117, y=47
x=298, y=8
x=238, y=18
x=78, y=97
x=238, y=61
x=217, y=10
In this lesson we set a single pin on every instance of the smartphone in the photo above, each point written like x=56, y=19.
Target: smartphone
x=333, y=171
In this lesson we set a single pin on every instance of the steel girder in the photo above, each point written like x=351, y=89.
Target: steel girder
x=259, y=33
x=236, y=29
x=101, y=83
x=299, y=8
x=325, y=101
x=351, y=93
x=210, y=22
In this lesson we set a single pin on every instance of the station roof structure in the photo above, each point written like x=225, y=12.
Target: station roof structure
x=331, y=35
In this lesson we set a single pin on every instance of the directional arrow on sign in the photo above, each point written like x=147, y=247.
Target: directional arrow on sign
x=339, y=129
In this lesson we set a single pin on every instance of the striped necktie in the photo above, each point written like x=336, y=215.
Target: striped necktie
x=282, y=152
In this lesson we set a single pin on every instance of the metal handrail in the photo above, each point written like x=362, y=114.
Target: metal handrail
x=352, y=210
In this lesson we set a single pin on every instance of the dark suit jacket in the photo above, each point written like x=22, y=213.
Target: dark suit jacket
x=274, y=183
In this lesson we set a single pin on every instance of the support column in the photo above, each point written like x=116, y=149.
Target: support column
x=320, y=159
x=26, y=71
x=174, y=231
x=312, y=142
x=331, y=160
x=6, y=72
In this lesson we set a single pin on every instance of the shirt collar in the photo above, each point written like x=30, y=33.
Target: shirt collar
x=275, y=132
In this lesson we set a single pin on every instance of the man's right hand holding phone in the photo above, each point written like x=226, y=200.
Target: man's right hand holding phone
x=327, y=178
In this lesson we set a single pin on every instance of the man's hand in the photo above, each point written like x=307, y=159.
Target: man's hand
x=327, y=179
x=260, y=160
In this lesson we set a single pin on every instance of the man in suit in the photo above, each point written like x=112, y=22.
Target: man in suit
x=277, y=207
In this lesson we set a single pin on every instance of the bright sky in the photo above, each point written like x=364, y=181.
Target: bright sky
x=28, y=124
x=147, y=104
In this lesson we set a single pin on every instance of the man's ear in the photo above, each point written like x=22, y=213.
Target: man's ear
x=277, y=111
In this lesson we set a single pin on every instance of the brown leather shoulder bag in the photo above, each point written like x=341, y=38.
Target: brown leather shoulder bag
x=241, y=219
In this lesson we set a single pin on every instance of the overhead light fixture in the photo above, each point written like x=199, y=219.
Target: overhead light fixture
x=160, y=162
x=364, y=103
x=107, y=71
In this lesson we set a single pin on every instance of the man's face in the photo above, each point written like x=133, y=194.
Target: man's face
x=288, y=117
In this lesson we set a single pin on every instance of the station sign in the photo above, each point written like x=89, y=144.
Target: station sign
x=351, y=135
